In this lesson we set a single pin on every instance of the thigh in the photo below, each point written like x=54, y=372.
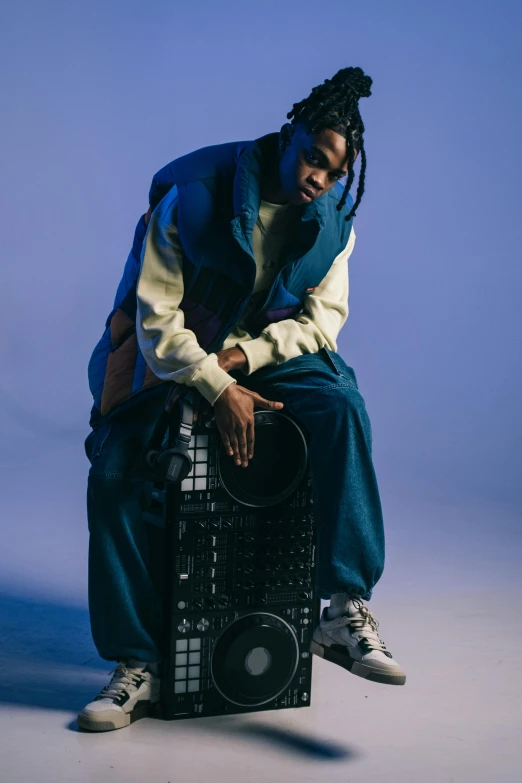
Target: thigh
x=297, y=379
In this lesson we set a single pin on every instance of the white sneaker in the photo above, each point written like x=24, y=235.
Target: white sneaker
x=132, y=693
x=352, y=641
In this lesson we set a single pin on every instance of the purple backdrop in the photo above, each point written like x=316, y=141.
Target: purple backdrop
x=98, y=96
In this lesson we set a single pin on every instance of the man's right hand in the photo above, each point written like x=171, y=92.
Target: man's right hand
x=234, y=416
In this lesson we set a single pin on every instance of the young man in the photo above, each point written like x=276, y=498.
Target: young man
x=237, y=286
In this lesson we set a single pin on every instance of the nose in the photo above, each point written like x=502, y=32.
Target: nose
x=316, y=184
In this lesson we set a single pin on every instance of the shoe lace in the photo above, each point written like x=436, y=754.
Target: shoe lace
x=123, y=678
x=365, y=626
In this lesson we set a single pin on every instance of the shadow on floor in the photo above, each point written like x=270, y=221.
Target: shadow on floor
x=48, y=661
x=233, y=730
x=301, y=744
x=47, y=658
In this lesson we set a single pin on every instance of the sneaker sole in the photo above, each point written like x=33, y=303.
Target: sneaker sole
x=110, y=721
x=360, y=669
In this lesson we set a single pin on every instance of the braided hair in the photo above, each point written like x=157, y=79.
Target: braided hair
x=334, y=105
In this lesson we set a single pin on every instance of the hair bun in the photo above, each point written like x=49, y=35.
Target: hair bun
x=355, y=80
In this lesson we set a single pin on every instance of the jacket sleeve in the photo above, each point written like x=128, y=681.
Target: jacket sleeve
x=172, y=352
x=324, y=314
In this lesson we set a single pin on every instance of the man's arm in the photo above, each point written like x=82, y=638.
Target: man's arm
x=172, y=352
x=324, y=314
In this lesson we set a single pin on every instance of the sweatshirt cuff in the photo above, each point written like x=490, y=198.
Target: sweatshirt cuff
x=211, y=381
x=260, y=352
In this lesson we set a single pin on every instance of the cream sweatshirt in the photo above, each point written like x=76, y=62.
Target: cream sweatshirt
x=173, y=352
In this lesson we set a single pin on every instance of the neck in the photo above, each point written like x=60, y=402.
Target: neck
x=271, y=184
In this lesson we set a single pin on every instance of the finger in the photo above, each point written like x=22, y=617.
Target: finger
x=242, y=441
x=226, y=443
x=267, y=404
x=235, y=447
x=250, y=438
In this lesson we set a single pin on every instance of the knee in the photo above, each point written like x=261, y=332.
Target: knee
x=115, y=504
x=342, y=400
x=339, y=410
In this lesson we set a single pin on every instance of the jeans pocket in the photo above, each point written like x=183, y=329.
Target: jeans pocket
x=95, y=441
x=338, y=365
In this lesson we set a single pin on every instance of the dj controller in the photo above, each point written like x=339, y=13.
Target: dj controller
x=241, y=549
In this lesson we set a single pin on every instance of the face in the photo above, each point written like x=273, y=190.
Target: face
x=313, y=162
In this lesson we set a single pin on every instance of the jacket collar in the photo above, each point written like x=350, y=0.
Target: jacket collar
x=247, y=190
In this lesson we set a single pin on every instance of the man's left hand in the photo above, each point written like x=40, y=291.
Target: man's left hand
x=232, y=359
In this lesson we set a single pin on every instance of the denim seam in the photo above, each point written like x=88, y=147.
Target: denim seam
x=331, y=362
x=324, y=388
x=98, y=447
x=116, y=475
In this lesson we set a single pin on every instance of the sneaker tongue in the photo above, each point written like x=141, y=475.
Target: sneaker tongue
x=352, y=609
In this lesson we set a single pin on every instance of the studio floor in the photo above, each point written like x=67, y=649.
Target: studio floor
x=449, y=609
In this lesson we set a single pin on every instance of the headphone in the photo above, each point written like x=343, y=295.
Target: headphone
x=167, y=458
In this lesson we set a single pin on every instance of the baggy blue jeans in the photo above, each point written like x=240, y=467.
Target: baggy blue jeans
x=125, y=584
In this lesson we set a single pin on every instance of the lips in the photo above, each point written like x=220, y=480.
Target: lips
x=309, y=193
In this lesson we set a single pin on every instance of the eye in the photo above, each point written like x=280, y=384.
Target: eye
x=311, y=157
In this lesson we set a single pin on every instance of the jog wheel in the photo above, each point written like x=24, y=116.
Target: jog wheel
x=277, y=468
x=254, y=659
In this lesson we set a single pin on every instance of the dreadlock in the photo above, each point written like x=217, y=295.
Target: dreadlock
x=335, y=105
